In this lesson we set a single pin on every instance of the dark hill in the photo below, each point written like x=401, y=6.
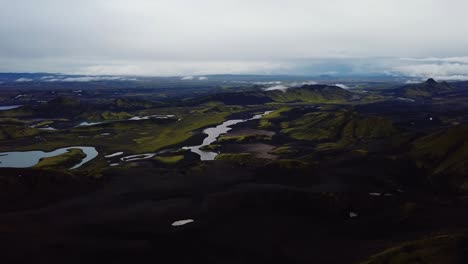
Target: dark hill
x=306, y=94
x=426, y=89
x=312, y=94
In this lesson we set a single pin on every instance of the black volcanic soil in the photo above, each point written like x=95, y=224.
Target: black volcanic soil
x=241, y=216
x=260, y=150
x=243, y=131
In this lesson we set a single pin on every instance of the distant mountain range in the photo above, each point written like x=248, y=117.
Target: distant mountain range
x=305, y=94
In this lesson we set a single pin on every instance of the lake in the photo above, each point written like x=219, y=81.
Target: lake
x=9, y=107
x=27, y=159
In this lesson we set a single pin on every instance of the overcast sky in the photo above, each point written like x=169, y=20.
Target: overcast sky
x=181, y=37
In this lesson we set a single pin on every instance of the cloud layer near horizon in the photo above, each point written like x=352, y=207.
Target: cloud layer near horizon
x=178, y=37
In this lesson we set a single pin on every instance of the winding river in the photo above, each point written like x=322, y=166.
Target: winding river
x=214, y=132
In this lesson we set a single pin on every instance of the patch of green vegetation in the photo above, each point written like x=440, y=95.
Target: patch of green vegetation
x=291, y=164
x=445, y=154
x=445, y=249
x=338, y=129
x=270, y=120
x=243, y=139
x=312, y=94
x=12, y=121
x=369, y=127
x=427, y=89
x=64, y=161
x=169, y=160
x=211, y=147
x=131, y=104
x=17, y=112
x=241, y=159
x=284, y=151
x=15, y=131
x=316, y=126
x=107, y=115
x=44, y=123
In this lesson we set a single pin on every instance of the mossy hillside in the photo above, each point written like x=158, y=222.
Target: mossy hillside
x=304, y=94
x=338, y=126
x=427, y=89
x=243, y=139
x=133, y=104
x=106, y=115
x=316, y=126
x=272, y=120
x=211, y=147
x=17, y=112
x=312, y=94
x=169, y=160
x=242, y=159
x=447, y=249
x=8, y=132
x=445, y=155
x=65, y=161
x=285, y=151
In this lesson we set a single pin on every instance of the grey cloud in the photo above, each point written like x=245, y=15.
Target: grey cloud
x=344, y=86
x=185, y=37
x=24, y=80
x=283, y=87
x=443, y=71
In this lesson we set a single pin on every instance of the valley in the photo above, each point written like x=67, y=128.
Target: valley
x=242, y=174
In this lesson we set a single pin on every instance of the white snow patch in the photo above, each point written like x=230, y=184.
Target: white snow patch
x=114, y=155
x=88, y=124
x=406, y=99
x=137, y=118
x=353, y=215
x=138, y=157
x=47, y=128
x=183, y=222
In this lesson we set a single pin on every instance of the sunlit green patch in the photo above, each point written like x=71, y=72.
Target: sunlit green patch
x=244, y=139
x=240, y=158
x=169, y=160
x=445, y=249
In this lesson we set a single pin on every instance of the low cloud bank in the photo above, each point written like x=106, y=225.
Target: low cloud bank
x=62, y=78
x=343, y=86
x=448, y=69
x=283, y=87
x=191, y=78
x=24, y=80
